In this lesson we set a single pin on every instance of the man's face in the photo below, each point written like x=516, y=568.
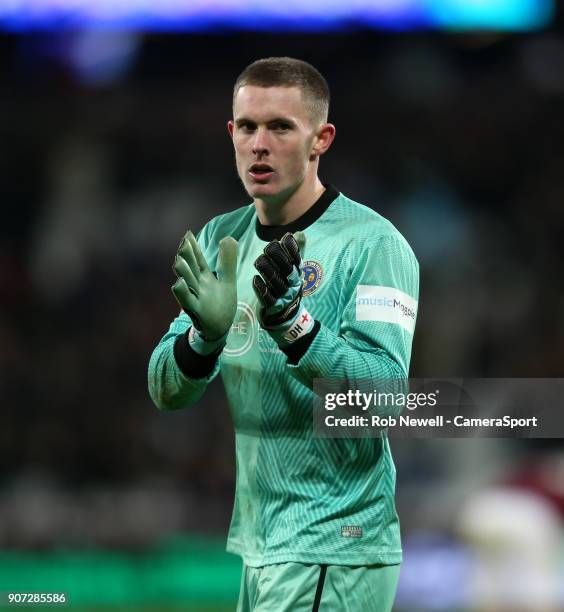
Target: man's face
x=273, y=138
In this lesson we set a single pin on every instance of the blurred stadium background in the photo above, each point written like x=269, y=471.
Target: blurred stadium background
x=450, y=121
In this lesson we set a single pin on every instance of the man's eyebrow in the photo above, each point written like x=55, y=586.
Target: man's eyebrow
x=242, y=120
x=282, y=120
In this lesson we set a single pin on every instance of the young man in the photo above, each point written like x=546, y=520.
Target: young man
x=314, y=518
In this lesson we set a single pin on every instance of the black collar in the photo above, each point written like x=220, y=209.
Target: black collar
x=312, y=214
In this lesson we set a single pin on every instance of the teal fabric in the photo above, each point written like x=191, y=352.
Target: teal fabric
x=297, y=494
x=291, y=587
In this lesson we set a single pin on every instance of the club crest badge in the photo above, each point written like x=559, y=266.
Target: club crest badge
x=313, y=275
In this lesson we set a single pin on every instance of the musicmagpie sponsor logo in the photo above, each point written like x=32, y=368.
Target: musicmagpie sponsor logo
x=385, y=304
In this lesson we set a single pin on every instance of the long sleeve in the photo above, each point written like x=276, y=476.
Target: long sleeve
x=169, y=387
x=377, y=322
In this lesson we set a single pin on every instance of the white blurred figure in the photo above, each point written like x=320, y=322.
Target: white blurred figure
x=516, y=537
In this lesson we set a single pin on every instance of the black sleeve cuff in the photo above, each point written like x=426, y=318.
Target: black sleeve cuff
x=298, y=349
x=192, y=364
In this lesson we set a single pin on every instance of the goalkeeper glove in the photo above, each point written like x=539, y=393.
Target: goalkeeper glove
x=279, y=289
x=210, y=300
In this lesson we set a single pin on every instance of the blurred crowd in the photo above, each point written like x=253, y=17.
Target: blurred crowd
x=458, y=140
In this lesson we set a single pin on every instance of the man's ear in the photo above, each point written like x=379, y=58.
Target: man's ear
x=323, y=139
x=230, y=127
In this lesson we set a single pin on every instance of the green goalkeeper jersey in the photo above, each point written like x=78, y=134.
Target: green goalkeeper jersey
x=300, y=497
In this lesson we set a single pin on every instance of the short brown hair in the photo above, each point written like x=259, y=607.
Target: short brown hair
x=289, y=72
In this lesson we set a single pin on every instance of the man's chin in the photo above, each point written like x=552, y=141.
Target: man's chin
x=262, y=190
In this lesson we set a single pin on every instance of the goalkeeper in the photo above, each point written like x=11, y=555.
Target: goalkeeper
x=270, y=297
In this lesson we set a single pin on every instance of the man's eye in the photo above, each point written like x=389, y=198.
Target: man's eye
x=247, y=127
x=281, y=127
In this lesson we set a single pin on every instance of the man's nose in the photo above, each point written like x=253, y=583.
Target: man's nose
x=260, y=141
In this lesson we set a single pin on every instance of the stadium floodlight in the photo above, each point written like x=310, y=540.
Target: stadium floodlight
x=272, y=15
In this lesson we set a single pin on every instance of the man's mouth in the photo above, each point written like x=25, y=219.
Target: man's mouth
x=261, y=172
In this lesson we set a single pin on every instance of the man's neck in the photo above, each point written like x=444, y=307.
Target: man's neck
x=286, y=211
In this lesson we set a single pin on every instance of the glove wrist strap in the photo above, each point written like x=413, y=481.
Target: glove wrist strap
x=301, y=326
x=202, y=346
